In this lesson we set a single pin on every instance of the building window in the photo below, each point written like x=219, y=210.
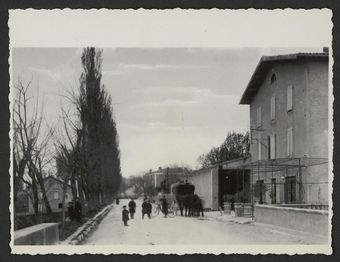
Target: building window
x=273, y=79
x=272, y=147
x=259, y=152
x=55, y=195
x=290, y=141
x=289, y=98
x=60, y=205
x=258, y=117
x=272, y=108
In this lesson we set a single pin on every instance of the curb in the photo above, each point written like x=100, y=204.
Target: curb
x=82, y=232
x=236, y=221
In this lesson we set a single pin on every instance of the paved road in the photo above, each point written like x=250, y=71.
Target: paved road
x=184, y=230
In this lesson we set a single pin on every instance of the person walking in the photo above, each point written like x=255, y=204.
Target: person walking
x=148, y=209
x=132, y=208
x=164, y=206
x=77, y=210
x=70, y=211
x=125, y=216
x=144, y=208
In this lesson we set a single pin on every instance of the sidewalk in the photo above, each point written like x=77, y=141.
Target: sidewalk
x=231, y=219
x=222, y=217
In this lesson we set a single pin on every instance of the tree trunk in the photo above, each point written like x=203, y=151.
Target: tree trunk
x=18, y=177
x=100, y=198
x=63, y=205
x=73, y=187
x=35, y=197
x=81, y=194
x=38, y=174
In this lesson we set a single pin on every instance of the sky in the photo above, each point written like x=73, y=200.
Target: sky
x=170, y=104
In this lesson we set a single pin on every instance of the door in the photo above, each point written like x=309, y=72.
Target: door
x=290, y=189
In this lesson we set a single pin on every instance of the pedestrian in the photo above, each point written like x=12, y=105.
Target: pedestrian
x=70, y=210
x=144, y=208
x=164, y=206
x=148, y=208
x=117, y=201
x=125, y=216
x=132, y=208
x=77, y=210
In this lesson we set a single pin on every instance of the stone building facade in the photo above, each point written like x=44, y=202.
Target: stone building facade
x=289, y=107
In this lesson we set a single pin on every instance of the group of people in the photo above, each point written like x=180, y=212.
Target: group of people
x=146, y=209
x=131, y=211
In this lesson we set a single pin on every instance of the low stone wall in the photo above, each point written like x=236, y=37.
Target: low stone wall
x=41, y=234
x=307, y=220
x=82, y=232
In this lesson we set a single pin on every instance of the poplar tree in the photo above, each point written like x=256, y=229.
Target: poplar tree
x=101, y=176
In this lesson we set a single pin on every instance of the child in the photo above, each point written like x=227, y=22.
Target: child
x=125, y=216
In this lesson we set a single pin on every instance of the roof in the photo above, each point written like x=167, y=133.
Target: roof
x=168, y=170
x=54, y=178
x=266, y=63
x=227, y=164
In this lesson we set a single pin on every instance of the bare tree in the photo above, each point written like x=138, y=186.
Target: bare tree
x=29, y=146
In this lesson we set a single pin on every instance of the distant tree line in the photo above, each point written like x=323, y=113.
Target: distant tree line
x=236, y=145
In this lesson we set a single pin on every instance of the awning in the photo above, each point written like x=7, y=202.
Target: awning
x=274, y=165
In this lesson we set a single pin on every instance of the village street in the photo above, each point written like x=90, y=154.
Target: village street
x=213, y=229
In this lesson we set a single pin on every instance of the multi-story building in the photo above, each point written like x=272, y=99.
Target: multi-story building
x=288, y=98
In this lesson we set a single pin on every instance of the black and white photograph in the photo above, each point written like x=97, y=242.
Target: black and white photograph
x=162, y=144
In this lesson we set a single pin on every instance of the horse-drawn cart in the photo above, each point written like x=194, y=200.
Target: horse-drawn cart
x=187, y=200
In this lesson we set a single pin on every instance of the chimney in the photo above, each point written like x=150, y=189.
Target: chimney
x=160, y=168
x=150, y=170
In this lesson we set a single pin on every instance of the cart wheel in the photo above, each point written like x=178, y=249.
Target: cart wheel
x=171, y=213
x=155, y=212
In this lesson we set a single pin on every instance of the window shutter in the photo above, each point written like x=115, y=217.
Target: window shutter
x=259, y=148
x=289, y=98
x=258, y=117
x=272, y=108
x=272, y=147
x=290, y=141
x=288, y=150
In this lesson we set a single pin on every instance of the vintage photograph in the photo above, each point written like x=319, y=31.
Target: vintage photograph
x=171, y=146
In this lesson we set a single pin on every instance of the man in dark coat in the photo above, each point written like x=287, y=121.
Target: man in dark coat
x=132, y=208
x=164, y=206
x=77, y=210
x=70, y=210
x=125, y=216
x=148, y=209
x=144, y=208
